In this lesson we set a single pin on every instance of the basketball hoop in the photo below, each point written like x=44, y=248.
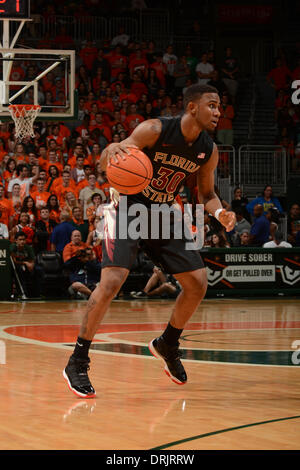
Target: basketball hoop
x=24, y=116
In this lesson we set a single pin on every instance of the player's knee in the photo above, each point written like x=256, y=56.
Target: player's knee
x=196, y=283
x=111, y=285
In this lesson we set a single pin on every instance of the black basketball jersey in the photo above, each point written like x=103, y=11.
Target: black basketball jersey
x=173, y=160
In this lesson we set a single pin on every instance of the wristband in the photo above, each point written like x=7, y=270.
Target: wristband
x=217, y=213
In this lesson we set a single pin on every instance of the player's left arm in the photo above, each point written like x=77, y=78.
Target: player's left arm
x=207, y=195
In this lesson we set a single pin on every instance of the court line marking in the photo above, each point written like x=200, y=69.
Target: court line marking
x=10, y=336
x=221, y=431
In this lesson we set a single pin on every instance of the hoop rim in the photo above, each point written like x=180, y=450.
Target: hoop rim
x=27, y=107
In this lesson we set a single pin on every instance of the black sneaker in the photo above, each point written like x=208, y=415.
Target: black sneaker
x=77, y=378
x=171, y=355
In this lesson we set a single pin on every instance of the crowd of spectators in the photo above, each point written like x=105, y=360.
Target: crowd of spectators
x=51, y=186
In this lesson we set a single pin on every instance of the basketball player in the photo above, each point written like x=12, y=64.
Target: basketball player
x=161, y=138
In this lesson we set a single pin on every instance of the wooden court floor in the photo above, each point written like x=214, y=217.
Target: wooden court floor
x=241, y=356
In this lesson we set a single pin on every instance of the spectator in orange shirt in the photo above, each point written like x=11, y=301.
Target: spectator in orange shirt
x=127, y=95
x=10, y=172
x=75, y=244
x=105, y=130
x=84, y=182
x=138, y=62
x=29, y=207
x=133, y=119
x=105, y=105
x=97, y=80
x=4, y=131
x=63, y=40
x=279, y=76
x=20, y=154
x=48, y=83
x=53, y=174
x=52, y=145
x=40, y=196
x=117, y=61
x=6, y=208
x=42, y=154
x=94, y=111
x=54, y=209
x=17, y=74
x=160, y=68
x=56, y=135
x=66, y=184
x=224, y=129
x=88, y=55
x=102, y=182
x=91, y=211
x=95, y=154
x=91, y=99
x=53, y=161
x=78, y=150
x=3, y=150
x=138, y=87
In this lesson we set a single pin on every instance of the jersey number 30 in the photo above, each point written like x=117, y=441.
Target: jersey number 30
x=167, y=180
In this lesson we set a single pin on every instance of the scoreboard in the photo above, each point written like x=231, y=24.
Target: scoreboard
x=14, y=9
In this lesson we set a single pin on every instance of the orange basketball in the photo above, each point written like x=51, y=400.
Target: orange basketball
x=132, y=175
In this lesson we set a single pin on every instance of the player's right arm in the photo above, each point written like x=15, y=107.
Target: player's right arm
x=144, y=135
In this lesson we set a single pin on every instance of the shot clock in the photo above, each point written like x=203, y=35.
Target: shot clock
x=14, y=9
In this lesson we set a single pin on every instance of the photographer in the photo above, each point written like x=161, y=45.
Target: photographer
x=84, y=272
x=24, y=262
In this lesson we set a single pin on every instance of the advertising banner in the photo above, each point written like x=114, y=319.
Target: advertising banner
x=241, y=14
x=260, y=270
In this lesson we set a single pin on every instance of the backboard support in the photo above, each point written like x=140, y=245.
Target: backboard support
x=16, y=89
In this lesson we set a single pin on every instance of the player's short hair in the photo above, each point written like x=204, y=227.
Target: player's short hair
x=194, y=92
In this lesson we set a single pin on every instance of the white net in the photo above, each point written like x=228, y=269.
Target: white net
x=24, y=116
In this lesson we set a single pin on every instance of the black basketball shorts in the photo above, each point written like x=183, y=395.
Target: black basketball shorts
x=121, y=243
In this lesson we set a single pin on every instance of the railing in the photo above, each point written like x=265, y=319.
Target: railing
x=149, y=24
x=227, y=162
x=259, y=165
x=262, y=56
x=251, y=167
x=293, y=164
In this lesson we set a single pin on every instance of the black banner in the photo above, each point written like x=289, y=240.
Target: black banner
x=260, y=270
x=5, y=270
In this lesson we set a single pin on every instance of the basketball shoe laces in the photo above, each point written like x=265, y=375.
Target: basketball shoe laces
x=173, y=354
x=82, y=368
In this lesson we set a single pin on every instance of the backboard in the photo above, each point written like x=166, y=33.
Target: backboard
x=33, y=76
x=38, y=76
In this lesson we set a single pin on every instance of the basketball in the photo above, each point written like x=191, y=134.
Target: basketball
x=132, y=175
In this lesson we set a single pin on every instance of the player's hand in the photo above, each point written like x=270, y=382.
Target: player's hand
x=116, y=151
x=227, y=219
